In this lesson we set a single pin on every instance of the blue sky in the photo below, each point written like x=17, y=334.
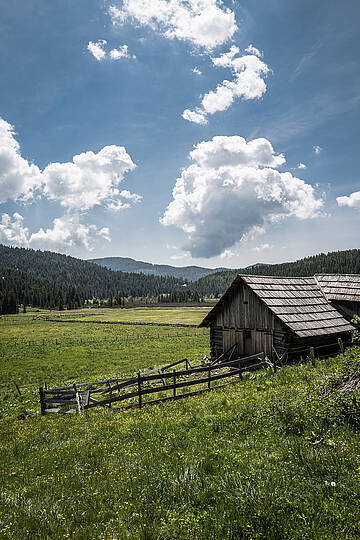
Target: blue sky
x=102, y=115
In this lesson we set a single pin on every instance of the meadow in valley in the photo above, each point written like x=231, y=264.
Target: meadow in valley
x=273, y=456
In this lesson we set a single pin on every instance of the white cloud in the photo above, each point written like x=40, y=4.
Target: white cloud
x=227, y=254
x=104, y=232
x=97, y=49
x=19, y=179
x=67, y=232
x=90, y=179
x=248, y=83
x=203, y=23
x=253, y=50
x=302, y=166
x=180, y=256
x=262, y=247
x=317, y=149
x=353, y=200
x=12, y=231
x=198, y=116
x=197, y=71
x=231, y=190
x=121, y=52
x=119, y=204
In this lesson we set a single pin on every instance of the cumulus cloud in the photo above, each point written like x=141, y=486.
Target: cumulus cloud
x=12, y=231
x=98, y=51
x=19, y=179
x=121, y=52
x=253, y=50
x=301, y=166
x=231, y=190
x=227, y=254
x=247, y=83
x=317, y=149
x=89, y=180
x=125, y=200
x=66, y=232
x=353, y=200
x=203, y=23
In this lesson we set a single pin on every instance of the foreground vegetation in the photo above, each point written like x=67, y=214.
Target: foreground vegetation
x=273, y=456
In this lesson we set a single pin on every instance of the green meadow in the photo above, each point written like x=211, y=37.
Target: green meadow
x=273, y=456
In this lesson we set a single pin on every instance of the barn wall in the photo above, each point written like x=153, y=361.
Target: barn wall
x=246, y=321
x=246, y=311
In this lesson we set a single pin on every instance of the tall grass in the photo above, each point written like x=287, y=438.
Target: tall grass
x=262, y=459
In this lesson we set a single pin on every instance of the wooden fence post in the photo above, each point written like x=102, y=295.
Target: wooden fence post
x=174, y=382
x=42, y=400
x=209, y=377
x=341, y=345
x=312, y=356
x=110, y=393
x=139, y=390
x=78, y=401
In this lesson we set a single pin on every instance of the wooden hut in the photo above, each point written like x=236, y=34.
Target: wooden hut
x=342, y=291
x=278, y=315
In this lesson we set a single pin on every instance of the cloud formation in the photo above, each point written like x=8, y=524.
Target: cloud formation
x=317, y=149
x=66, y=232
x=231, y=191
x=18, y=177
x=98, y=51
x=89, y=180
x=247, y=83
x=352, y=201
x=203, y=23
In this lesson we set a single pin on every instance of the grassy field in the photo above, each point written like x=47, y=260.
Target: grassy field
x=274, y=456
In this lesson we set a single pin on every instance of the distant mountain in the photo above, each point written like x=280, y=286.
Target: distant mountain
x=125, y=264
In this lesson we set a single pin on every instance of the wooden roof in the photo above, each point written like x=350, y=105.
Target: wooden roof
x=298, y=302
x=340, y=286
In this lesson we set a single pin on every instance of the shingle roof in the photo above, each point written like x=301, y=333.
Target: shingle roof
x=297, y=302
x=340, y=286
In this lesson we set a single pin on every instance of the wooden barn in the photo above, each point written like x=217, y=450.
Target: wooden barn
x=278, y=315
x=342, y=291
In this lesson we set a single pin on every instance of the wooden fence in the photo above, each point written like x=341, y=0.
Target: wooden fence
x=159, y=384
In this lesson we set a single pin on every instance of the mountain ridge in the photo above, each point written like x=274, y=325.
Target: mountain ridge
x=127, y=264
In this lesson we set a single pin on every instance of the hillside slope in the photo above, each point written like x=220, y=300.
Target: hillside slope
x=126, y=264
x=89, y=280
x=338, y=262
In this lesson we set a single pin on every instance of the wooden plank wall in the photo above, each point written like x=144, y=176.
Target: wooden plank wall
x=247, y=321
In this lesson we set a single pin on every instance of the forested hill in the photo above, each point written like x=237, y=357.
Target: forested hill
x=126, y=264
x=53, y=271
x=337, y=262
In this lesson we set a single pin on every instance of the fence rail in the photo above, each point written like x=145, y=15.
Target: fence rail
x=169, y=385
x=106, y=393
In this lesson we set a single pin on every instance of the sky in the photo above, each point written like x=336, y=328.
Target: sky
x=180, y=131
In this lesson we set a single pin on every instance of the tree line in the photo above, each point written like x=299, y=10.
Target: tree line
x=337, y=262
